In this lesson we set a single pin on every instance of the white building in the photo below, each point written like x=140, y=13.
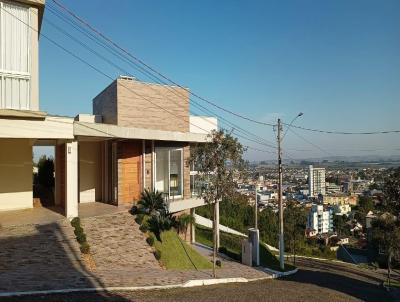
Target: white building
x=342, y=209
x=316, y=181
x=320, y=219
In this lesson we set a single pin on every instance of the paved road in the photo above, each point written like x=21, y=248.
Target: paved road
x=315, y=281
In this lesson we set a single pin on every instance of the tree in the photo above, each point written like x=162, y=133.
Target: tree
x=184, y=221
x=386, y=234
x=339, y=223
x=151, y=202
x=391, y=191
x=46, y=171
x=295, y=223
x=220, y=164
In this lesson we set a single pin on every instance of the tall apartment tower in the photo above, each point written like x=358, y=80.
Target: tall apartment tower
x=320, y=219
x=316, y=181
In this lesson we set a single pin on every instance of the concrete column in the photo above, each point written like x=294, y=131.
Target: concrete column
x=71, y=179
x=193, y=227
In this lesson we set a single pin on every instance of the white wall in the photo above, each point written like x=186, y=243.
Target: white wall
x=16, y=174
x=89, y=171
x=203, y=124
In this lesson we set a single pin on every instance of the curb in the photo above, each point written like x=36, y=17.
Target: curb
x=277, y=274
x=188, y=284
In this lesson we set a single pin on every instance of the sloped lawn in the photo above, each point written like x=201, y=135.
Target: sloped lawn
x=231, y=245
x=177, y=254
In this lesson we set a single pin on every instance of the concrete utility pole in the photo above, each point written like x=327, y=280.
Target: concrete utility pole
x=256, y=211
x=281, y=239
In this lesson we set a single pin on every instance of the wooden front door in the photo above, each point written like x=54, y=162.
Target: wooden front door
x=129, y=171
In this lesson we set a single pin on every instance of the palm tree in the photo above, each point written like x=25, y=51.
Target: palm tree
x=152, y=202
x=183, y=223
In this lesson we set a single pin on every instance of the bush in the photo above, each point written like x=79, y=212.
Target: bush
x=150, y=240
x=80, y=235
x=85, y=248
x=81, y=238
x=134, y=210
x=76, y=222
x=139, y=218
x=143, y=228
x=218, y=263
x=157, y=254
x=222, y=250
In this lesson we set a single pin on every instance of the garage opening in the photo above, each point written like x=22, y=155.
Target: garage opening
x=44, y=176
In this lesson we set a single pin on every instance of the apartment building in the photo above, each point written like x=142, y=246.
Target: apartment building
x=138, y=136
x=316, y=181
x=320, y=219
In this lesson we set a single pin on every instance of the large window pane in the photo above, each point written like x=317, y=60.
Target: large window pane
x=161, y=170
x=16, y=37
x=176, y=172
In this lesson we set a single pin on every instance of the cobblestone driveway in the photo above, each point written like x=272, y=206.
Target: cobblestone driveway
x=41, y=257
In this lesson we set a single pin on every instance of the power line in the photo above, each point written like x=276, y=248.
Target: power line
x=103, y=36
x=309, y=142
x=260, y=140
x=345, y=132
x=104, y=74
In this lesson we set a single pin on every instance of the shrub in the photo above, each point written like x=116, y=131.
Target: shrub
x=143, y=228
x=157, y=254
x=85, y=248
x=222, y=250
x=150, y=240
x=139, y=218
x=134, y=210
x=76, y=222
x=78, y=230
x=218, y=263
x=81, y=238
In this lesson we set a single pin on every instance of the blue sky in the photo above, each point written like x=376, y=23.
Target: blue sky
x=336, y=61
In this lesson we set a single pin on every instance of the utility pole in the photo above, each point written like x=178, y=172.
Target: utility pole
x=281, y=239
x=256, y=211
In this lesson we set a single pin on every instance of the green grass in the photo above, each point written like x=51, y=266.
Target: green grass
x=176, y=254
x=233, y=245
x=393, y=283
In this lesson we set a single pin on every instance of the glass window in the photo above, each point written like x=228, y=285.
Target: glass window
x=175, y=172
x=168, y=176
x=162, y=170
x=15, y=56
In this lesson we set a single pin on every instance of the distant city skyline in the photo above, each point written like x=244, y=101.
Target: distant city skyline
x=335, y=61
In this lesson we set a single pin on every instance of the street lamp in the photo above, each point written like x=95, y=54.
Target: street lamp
x=295, y=118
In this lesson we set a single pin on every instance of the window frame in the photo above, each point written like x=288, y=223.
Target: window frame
x=180, y=196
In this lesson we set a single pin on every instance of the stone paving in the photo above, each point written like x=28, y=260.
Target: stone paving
x=41, y=257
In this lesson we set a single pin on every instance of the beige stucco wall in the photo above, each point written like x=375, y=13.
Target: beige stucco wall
x=89, y=172
x=16, y=174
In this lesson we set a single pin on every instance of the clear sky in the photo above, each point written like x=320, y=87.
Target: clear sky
x=336, y=61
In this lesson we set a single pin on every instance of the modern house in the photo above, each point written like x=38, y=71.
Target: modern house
x=139, y=135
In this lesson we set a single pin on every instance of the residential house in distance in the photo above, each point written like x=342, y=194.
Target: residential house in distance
x=316, y=181
x=340, y=199
x=320, y=219
x=138, y=137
